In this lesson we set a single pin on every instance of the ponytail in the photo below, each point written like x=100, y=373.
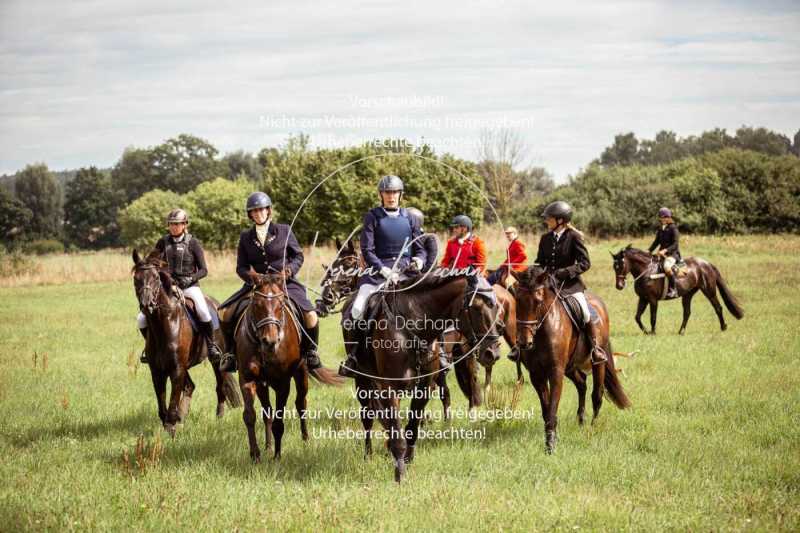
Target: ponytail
x=576, y=230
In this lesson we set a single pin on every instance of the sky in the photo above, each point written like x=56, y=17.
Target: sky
x=82, y=80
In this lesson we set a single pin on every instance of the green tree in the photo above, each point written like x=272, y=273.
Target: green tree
x=132, y=175
x=624, y=151
x=665, y=148
x=762, y=140
x=38, y=190
x=242, y=164
x=216, y=211
x=182, y=163
x=143, y=221
x=14, y=218
x=90, y=210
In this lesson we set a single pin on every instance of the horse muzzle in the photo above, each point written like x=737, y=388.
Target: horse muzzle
x=620, y=284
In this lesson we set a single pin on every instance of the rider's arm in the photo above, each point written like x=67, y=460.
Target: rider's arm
x=654, y=245
x=199, y=260
x=672, y=248
x=417, y=248
x=540, y=254
x=294, y=254
x=242, y=262
x=447, y=259
x=480, y=254
x=582, y=263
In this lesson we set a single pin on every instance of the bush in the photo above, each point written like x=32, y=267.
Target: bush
x=44, y=246
x=216, y=211
x=143, y=221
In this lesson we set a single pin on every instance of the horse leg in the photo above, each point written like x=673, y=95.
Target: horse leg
x=186, y=397
x=281, y=398
x=300, y=401
x=365, y=413
x=539, y=383
x=444, y=391
x=388, y=414
x=640, y=307
x=249, y=417
x=653, y=313
x=687, y=310
x=556, y=381
x=218, y=377
x=177, y=380
x=487, y=378
x=416, y=412
x=579, y=379
x=598, y=385
x=267, y=414
x=160, y=385
x=710, y=292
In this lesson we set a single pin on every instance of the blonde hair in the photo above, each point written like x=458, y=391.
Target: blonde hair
x=576, y=230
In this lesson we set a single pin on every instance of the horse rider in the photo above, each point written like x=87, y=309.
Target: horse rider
x=464, y=249
x=269, y=247
x=187, y=265
x=516, y=257
x=667, y=243
x=563, y=253
x=430, y=245
x=390, y=246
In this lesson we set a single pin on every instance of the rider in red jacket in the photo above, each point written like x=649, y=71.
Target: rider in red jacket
x=516, y=257
x=465, y=249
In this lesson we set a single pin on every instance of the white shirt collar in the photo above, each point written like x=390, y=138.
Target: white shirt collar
x=465, y=237
x=558, y=234
x=261, y=231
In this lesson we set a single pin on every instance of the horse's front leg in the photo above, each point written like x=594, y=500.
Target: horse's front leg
x=249, y=416
x=653, y=314
x=687, y=311
x=389, y=417
x=300, y=402
x=556, y=382
x=159, y=378
x=640, y=307
x=366, y=413
x=416, y=412
x=281, y=398
x=177, y=383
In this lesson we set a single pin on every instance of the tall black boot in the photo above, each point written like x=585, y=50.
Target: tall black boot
x=207, y=331
x=671, y=292
x=353, y=340
x=598, y=354
x=143, y=357
x=308, y=347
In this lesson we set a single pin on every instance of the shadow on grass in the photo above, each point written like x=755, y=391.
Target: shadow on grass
x=133, y=422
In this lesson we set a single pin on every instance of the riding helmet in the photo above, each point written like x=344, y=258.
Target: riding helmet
x=461, y=220
x=664, y=212
x=390, y=183
x=177, y=216
x=558, y=209
x=258, y=200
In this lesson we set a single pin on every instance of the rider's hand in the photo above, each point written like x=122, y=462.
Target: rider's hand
x=184, y=281
x=562, y=273
x=390, y=275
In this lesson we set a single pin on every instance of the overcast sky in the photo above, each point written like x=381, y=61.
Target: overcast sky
x=82, y=80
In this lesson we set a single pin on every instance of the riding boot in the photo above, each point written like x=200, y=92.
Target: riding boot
x=143, y=357
x=308, y=347
x=598, y=354
x=207, y=331
x=444, y=362
x=671, y=292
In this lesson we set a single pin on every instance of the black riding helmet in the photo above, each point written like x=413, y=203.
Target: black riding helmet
x=257, y=200
x=390, y=183
x=462, y=220
x=558, y=209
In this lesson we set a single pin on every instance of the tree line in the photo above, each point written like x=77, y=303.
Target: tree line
x=715, y=182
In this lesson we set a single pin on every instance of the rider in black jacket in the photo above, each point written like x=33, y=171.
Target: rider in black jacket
x=666, y=241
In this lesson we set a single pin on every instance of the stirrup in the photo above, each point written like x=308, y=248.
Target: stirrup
x=312, y=360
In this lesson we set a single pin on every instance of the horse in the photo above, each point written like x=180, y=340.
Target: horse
x=700, y=275
x=172, y=347
x=397, y=360
x=552, y=346
x=341, y=281
x=268, y=352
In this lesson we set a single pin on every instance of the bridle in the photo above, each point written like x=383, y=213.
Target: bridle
x=621, y=277
x=150, y=290
x=254, y=327
x=337, y=288
x=534, y=325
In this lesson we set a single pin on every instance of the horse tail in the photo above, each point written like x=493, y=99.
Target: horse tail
x=326, y=376
x=727, y=296
x=612, y=383
x=230, y=388
x=467, y=381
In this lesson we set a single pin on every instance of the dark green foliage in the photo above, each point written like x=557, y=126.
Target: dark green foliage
x=14, y=218
x=90, y=210
x=38, y=190
x=44, y=247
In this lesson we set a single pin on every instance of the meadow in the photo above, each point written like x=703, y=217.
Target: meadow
x=712, y=441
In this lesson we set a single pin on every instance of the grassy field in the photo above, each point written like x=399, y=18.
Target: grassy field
x=711, y=443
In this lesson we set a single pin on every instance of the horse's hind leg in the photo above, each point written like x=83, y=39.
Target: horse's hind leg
x=219, y=390
x=710, y=291
x=640, y=307
x=186, y=397
x=687, y=310
x=300, y=402
x=444, y=391
x=160, y=387
x=579, y=379
x=388, y=416
x=598, y=385
x=653, y=314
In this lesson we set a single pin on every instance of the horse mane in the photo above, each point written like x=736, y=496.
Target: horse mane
x=427, y=281
x=528, y=277
x=636, y=252
x=153, y=259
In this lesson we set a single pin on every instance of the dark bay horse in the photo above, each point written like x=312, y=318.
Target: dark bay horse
x=552, y=346
x=268, y=353
x=341, y=280
x=397, y=359
x=172, y=347
x=700, y=275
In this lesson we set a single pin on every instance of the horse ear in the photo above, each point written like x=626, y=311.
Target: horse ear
x=630, y=245
x=338, y=244
x=324, y=267
x=514, y=274
x=611, y=253
x=136, y=257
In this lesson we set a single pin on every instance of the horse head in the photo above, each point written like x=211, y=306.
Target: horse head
x=621, y=266
x=340, y=278
x=268, y=310
x=534, y=294
x=150, y=278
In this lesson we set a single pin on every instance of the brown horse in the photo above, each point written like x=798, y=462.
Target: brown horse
x=341, y=281
x=699, y=275
x=552, y=346
x=172, y=347
x=268, y=353
x=397, y=359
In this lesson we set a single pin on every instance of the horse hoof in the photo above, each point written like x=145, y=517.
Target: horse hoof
x=399, y=470
x=581, y=420
x=724, y=327
x=681, y=332
x=409, y=457
x=170, y=428
x=220, y=410
x=256, y=458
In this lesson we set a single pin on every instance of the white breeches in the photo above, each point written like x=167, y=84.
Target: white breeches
x=669, y=262
x=360, y=302
x=581, y=299
x=200, y=307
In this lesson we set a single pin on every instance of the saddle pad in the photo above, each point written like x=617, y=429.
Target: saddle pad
x=191, y=314
x=576, y=315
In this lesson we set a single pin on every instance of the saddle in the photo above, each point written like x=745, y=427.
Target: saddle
x=191, y=314
x=576, y=314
